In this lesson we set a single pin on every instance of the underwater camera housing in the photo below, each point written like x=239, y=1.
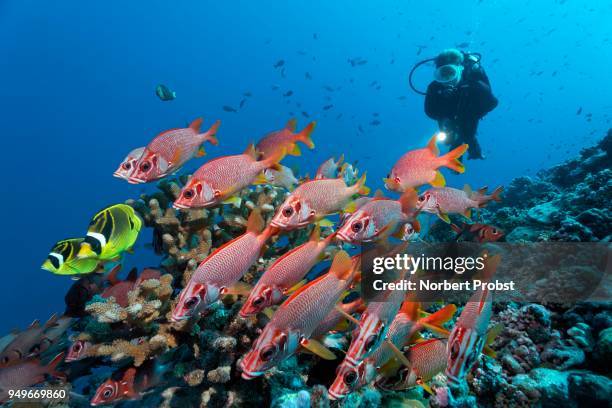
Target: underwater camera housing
x=467, y=57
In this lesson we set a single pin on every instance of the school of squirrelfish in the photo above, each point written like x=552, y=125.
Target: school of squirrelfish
x=394, y=343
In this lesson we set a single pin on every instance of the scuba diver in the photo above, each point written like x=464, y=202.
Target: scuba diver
x=458, y=97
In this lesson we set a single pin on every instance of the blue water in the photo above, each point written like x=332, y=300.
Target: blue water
x=78, y=82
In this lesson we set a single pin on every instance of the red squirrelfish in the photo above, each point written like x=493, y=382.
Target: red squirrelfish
x=285, y=139
x=26, y=374
x=379, y=217
x=418, y=167
x=427, y=359
x=222, y=269
x=129, y=384
x=296, y=319
x=447, y=200
x=477, y=232
x=129, y=163
x=329, y=169
x=78, y=350
x=469, y=335
x=170, y=150
x=219, y=179
x=315, y=199
x=402, y=329
x=28, y=343
x=284, y=273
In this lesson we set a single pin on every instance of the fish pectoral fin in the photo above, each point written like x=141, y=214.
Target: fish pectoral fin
x=443, y=216
x=494, y=332
x=326, y=223
x=397, y=353
x=342, y=326
x=295, y=151
x=315, y=347
x=437, y=329
x=489, y=352
x=439, y=180
x=389, y=368
x=234, y=200
x=348, y=316
x=424, y=385
x=268, y=311
x=261, y=179
x=239, y=288
x=201, y=152
x=296, y=287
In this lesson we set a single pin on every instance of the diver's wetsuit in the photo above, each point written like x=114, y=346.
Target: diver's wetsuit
x=458, y=108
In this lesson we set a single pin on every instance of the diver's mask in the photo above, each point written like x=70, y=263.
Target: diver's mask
x=449, y=74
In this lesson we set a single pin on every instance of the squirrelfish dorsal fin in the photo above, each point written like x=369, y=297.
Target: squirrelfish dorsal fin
x=255, y=223
x=431, y=145
x=195, y=125
x=250, y=151
x=291, y=125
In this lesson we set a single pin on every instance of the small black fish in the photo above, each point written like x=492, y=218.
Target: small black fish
x=307, y=75
x=242, y=102
x=229, y=109
x=315, y=36
x=288, y=93
x=401, y=98
x=164, y=93
x=375, y=114
x=360, y=129
x=579, y=111
x=301, y=52
x=247, y=94
x=328, y=107
x=328, y=88
x=305, y=114
x=279, y=64
x=463, y=45
x=375, y=122
x=275, y=87
x=339, y=116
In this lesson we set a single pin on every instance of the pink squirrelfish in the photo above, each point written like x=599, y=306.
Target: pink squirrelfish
x=403, y=327
x=78, y=350
x=221, y=178
x=418, y=167
x=296, y=319
x=469, y=335
x=285, y=272
x=128, y=164
x=130, y=383
x=427, y=359
x=28, y=343
x=285, y=139
x=170, y=150
x=379, y=217
x=315, y=199
x=445, y=200
x=26, y=374
x=222, y=269
x=329, y=168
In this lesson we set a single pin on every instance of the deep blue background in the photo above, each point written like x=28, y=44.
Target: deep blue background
x=78, y=80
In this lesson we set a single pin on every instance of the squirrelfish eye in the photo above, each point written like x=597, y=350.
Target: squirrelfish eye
x=127, y=165
x=191, y=302
x=188, y=194
x=494, y=231
x=107, y=393
x=421, y=198
x=267, y=353
x=77, y=347
x=371, y=341
x=356, y=226
x=146, y=166
x=288, y=211
x=350, y=378
x=258, y=301
x=5, y=359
